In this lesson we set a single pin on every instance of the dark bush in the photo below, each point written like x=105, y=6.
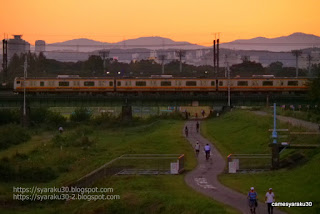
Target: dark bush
x=38, y=115
x=103, y=118
x=35, y=174
x=7, y=172
x=12, y=135
x=81, y=115
x=55, y=119
x=78, y=137
x=9, y=116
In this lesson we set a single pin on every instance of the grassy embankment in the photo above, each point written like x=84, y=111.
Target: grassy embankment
x=139, y=194
x=243, y=132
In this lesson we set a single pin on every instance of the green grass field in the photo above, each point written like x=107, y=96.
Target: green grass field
x=139, y=194
x=243, y=132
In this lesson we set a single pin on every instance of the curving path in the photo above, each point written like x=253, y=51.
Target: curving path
x=204, y=178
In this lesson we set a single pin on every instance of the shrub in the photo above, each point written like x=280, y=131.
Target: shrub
x=35, y=174
x=81, y=115
x=38, y=115
x=103, y=118
x=7, y=172
x=12, y=135
x=55, y=119
x=9, y=116
x=43, y=115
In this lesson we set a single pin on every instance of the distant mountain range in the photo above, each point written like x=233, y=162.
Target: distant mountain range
x=284, y=43
x=153, y=43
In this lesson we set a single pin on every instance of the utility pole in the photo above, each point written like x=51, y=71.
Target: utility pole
x=180, y=54
x=162, y=58
x=5, y=59
x=214, y=56
x=217, y=56
x=24, y=88
x=297, y=53
x=104, y=54
x=309, y=57
x=228, y=71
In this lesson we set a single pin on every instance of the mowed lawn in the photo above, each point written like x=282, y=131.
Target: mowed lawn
x=138, y=194
x=243, y=132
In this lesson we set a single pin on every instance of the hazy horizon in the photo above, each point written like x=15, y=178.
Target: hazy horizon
x=196, y=23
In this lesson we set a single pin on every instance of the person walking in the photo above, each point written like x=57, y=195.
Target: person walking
x=207, y=151
x=203, y=113
x=197, y=126
x=60, y=130
x=186, y=131
x=252, y=197
x=269, y=199
x=197, y=148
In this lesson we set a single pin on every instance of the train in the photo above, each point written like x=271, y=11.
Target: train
x=159, y=84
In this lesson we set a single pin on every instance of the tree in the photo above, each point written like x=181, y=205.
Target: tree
x=95, y=65
x=247, y=69
x=275, y=66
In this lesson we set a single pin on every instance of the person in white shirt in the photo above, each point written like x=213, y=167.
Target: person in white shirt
x=269, y=200
x=60, y=129
x=197, y=148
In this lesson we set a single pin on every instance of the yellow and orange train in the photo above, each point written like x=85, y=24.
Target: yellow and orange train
x=166, y=83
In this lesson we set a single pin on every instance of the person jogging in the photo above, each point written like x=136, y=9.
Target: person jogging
x=207, y=151
x=252, y=197
x=197, y=126
x=269, y=200
x=197, y=148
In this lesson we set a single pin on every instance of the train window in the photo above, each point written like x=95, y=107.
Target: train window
x=267, y=83
x=213, y=83
x=41, y=83
x=165, y=83
x=88, y=83
x=242, y=83
x=18, y=82
x=118, y=83
x=63, y=83
x=191, y=83
x=110, y=83
x=141, y=83
x=292, y=83
x=220, y=83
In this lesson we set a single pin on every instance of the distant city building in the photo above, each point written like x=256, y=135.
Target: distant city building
x=17, y=46
x=153, y=54
x=199, y=54
x=40, y=46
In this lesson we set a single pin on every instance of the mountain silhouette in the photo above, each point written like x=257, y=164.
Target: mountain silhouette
x=283, y=43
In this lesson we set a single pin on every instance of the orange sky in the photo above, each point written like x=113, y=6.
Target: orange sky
x=180, y=20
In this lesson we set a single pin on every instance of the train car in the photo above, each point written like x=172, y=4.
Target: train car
x=165, y=85
x=64, y=84
x=76, y=84
x=264, y=84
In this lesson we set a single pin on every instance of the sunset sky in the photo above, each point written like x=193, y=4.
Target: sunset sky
x=180, y=20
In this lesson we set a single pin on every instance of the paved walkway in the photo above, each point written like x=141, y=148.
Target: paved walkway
x=293, y=121
x=204, y=178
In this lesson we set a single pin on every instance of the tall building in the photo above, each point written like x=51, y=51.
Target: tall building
x=17, y=46
x=40, y=46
